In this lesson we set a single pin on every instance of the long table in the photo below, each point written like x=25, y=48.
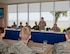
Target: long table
x=38, y=36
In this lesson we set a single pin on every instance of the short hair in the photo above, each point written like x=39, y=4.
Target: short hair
x=26, y=22
x=25, y=32
x=1, y=30
x=20, y=22
x=68, y=31
x=42, y=17
x=55, y=24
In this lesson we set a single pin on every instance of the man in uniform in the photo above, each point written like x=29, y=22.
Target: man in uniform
x=63, y=47
x=3, y=45
x=42, y=24
x=21, y=47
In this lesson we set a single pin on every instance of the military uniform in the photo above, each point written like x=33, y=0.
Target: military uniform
x=42, y=25
x=20, y=48
x=36, y=27
x=19, y=27
x=62, y=48
x=56, y=30
x=14, y=26
x=3, y=47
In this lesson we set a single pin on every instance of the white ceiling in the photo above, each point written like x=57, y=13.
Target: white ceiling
x=25, y=1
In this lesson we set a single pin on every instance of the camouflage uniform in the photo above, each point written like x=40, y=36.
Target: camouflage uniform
x=14, y=26
x=20, y=48
x=62, y=48
x=42, y=25
x=3, y=47
x=56, y=30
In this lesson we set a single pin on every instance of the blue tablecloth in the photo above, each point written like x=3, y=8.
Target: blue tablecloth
x=39, y=37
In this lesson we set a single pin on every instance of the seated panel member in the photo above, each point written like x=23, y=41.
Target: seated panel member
x=55, y=28
x=63, y=47
x=3, y=46
x=14, y=25
x=36, y=26
x=20, y=26
x=21, y=47
x=27, y=25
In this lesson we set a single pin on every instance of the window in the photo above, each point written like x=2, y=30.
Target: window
x=34, y=13
x=62, y=6
x=47, y=12
x=22, y=13
x=12, y=14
